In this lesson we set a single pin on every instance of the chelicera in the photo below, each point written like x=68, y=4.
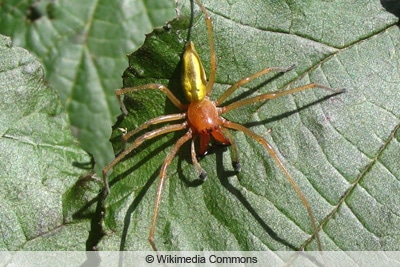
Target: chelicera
x=202, y=119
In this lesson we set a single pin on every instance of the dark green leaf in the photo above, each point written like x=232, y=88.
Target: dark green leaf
x=342, y=150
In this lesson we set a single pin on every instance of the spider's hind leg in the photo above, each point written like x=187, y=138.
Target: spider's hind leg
x=274, y=156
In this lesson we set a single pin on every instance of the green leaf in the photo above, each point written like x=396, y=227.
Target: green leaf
x=342, y=150
x=40, y=162
x=82, y=45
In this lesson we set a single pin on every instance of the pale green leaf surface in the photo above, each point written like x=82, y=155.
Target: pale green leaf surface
x=40, y=161
x=342, y=150
x=82, y=46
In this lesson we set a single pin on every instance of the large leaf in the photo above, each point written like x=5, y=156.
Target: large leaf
x=342, y=150
x=82, y=45
x=42, y=198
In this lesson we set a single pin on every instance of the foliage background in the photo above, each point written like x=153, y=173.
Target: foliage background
x=343, y=151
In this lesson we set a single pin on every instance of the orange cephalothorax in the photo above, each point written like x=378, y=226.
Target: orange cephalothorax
x=204, y=121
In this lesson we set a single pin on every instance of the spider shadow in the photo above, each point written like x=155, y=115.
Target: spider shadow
x=184, y=155
x=96, y=232
x=143, y=190
x=223, y=176
x=135, y=203
x=130, y=173
x=291, y=112
x=85, y=212
x=251, y=90
x=392, y=7
x=142, y=161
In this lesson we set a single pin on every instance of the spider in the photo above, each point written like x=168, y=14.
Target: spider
x=202, y=119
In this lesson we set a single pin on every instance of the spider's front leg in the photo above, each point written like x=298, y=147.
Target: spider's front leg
x=273, y=95
x=151, y=86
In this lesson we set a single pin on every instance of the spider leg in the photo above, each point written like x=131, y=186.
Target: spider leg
x=273, y=95
x=138, y=142
x=272, y=153
x=202, y=172
x=235, y=155
x=213, y=57
x=153, y=121
x=249, y=79
x=163, y=175
x=153, y=86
